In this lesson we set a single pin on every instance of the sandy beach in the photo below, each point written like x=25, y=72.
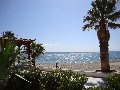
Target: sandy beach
x=114, y=65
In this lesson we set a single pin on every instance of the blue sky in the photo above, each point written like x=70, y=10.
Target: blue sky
x=55, y=23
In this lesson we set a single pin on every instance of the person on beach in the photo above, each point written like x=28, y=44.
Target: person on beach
x=57, y=66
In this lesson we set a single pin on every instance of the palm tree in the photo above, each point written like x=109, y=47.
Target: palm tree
x=36, y=50
x=102, y=16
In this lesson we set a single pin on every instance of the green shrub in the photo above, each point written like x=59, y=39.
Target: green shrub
x=42, y=80
x=71, y=81
x=33, y=75
x=14, y=82
x=28, y=80
x=64, y=80
x=113, y=82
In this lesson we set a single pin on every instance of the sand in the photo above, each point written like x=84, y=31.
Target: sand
x=114, y=65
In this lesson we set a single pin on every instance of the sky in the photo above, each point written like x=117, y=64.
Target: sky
x=57, y=24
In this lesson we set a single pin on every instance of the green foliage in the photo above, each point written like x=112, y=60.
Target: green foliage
x=102, y=10
x=8, y=34
x=8, y=54
x=42, y=80
x=37, y=49
x=113, y=82
x=19, y=83
x=71, y=81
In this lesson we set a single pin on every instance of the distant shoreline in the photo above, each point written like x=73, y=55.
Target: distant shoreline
x=114, y=65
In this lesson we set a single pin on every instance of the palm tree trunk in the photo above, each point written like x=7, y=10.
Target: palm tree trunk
x=104, y=36
x=104, y=56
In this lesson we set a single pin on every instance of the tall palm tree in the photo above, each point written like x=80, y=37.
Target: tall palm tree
x=102, y=16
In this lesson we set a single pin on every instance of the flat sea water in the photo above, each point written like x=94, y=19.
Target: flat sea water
x=74, y=57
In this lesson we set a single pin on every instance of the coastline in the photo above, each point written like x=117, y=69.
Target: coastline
x=114, y=65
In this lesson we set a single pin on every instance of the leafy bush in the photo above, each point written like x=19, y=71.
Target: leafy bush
x=17, y=80
x=42, y=80
x=70, y=80
x=113, y=82
x=33, y=75
x=16, y=83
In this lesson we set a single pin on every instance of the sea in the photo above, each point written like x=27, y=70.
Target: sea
x=74, y=57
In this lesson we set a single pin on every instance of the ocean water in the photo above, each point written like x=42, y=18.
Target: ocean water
x=74, y=57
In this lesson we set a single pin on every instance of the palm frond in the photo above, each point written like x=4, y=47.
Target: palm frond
x=102, y=9
x=111, y=6
x=94, y=5
x=97, y=27
x=113, y=25
x=87, y=18
x=114, y=16
x=98, y=5
x=87, y=26
x=104, y=3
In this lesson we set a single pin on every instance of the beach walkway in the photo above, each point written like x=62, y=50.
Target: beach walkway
x=93, y=81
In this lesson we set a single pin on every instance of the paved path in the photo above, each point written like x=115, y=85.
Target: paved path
x=92, y=81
